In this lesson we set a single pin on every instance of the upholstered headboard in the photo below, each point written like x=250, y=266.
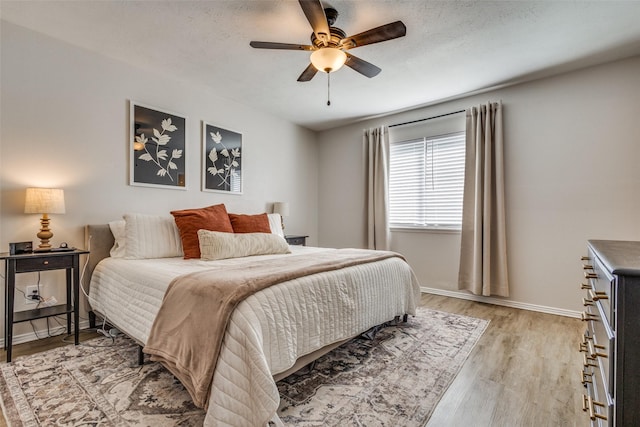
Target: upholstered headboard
x=99, y=241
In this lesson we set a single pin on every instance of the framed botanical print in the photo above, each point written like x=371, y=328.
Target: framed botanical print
x=157, y=148
x=221, y=160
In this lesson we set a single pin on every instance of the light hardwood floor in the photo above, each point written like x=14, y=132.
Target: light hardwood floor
x=522, y=372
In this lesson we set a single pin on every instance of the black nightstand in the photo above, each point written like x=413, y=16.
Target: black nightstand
x=296, y=240
x=42, y=261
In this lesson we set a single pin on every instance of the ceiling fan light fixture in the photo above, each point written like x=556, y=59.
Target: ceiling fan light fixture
x=328, y=59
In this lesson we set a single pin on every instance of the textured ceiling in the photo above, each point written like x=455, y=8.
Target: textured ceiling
x=451, y=47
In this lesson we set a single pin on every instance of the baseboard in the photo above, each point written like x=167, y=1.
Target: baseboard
x=502, y=302
x=31, y=336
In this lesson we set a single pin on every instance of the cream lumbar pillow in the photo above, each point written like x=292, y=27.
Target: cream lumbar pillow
x=216, y=245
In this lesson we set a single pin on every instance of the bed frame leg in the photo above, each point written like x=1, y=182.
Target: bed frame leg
x=405, y=318
x=140, y=356
x=92, y=320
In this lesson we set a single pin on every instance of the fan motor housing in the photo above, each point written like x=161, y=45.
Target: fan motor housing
x=334, y=41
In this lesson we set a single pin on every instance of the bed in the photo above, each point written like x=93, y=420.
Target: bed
x=271, y=333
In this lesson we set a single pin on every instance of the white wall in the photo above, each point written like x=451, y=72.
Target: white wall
x=572, y=147
x=65, y=121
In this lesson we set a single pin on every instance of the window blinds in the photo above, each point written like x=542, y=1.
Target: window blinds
x=426, y=182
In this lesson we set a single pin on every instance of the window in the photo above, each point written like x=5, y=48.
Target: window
x=426, y=182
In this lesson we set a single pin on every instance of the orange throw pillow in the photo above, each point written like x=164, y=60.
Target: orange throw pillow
x=250, y=223
x=189, y=221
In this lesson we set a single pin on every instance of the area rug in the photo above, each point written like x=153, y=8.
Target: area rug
x=394, y=379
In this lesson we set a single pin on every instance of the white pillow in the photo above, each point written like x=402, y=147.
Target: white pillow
x=275, y=222
x=117, y=229
x=151, y=236
x=216, y=245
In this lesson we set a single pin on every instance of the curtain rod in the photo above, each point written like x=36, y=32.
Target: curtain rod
x=428, y=118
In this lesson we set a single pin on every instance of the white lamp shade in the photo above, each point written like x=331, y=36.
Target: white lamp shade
x=44, y=201
x=281, y=208
x=328, y=59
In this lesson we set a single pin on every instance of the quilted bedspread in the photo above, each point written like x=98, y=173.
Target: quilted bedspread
x=269, y=330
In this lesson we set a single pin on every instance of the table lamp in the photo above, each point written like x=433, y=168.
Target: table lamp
x=45, y=201
x=281, y=208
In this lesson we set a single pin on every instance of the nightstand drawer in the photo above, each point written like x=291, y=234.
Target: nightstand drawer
x=296, y=240
x=25, y=265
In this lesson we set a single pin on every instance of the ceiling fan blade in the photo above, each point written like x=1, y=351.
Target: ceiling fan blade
x=285, y=46
x=375, y=35
x=363, y=67
x=314, y=12
x=308, y=73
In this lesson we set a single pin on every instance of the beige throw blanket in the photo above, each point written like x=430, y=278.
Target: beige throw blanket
x=187, y=333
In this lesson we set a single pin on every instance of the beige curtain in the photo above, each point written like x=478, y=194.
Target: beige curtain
x=483, y=253
x=376, y=143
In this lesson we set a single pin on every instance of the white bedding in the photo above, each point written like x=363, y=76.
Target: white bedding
x=269, y=330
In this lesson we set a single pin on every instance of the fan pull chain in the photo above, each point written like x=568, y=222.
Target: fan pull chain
x=328, y=89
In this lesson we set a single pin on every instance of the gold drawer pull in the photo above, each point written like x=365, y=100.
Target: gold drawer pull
x=585, y=377
x=587, y=267
x=585, y=286
x=588, y=317
x=588, y=404
x=595, y=296
x=592, y=350
x=583, y=347
x=587, y=343
x=588, y=361
x=585, y=258
x=590, y=275
x=587, y=302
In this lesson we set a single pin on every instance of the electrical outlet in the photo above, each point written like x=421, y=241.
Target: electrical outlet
x=31, y=295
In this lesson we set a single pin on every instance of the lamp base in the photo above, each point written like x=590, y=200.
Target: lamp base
x=44, y=234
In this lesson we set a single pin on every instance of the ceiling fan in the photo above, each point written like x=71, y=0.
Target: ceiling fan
x=329, y=45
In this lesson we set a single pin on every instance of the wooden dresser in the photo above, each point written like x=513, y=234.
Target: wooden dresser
x=611, y=343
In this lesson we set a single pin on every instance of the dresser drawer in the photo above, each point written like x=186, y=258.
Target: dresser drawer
x=600, y=347
x=601, y=283
x=25, y=265
x=596, y=402
x=597, y=346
